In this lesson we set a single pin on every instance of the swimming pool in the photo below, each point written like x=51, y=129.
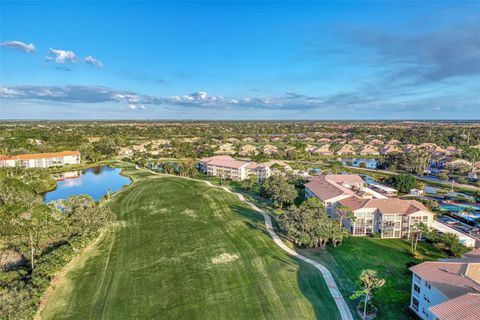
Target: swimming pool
x=458, y=206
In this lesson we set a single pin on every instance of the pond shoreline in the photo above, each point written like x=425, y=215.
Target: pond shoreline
x=96, y=182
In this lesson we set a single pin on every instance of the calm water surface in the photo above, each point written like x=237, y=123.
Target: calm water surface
x=370, y=163
x=94, y=182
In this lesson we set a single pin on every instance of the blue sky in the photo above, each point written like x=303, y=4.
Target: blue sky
x=240, y=60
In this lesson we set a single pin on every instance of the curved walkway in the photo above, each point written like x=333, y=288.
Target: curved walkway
x=332, y=286
x=342, y=306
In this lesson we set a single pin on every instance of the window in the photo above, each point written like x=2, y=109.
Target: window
x=417, y=277
x=428, y=285
x=415, y=304
x=416, y=288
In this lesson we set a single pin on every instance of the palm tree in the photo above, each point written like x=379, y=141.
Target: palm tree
x=343, y=213
x=369, y=282
x=416, y=231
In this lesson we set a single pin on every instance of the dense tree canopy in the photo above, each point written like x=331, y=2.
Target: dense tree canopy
x=308, y=225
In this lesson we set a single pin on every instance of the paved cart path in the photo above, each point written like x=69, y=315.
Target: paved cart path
x=342, y=306
x=332, y=286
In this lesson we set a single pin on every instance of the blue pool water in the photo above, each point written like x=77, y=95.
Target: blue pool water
x=355, y=162
x=94, y=182
x=458, y=207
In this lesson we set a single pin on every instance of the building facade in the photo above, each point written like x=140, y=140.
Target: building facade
x=448, y=289
x=331, y=188
x=389, y=218
x=41, y=160
x=231, y=169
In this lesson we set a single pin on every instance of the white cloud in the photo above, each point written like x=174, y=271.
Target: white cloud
x=19, y=45
x=134, y=101
x=200, y=97
x=93, y=62
x=62, y=56
x=136, y=106
x=8, y=92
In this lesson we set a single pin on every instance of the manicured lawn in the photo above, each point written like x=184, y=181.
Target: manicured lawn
x=182, y=250
x=388, y=257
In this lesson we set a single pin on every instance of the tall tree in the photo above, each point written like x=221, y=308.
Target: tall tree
x=277, y=188
x=344, y=212
x=369, y=282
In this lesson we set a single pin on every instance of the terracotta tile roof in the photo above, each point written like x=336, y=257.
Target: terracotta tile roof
x=346, y=149
x=206, y=160
x=385, y=206
x=270, y=163
x=40, y=155
x=235, y=164
x=224, y=161
x=356, y=141
x=344, y=178
x=466, y=307
x=326, y=189
x=354, y=203
x=369, y=149
x=447, y=277
x=471, y=256
x=376, y=141
x=394, y=141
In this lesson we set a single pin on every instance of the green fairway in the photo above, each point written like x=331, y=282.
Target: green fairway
x=388, y=256
x=182, y=250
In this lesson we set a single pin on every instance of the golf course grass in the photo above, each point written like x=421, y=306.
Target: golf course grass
x=389, y=257
x=183, y=250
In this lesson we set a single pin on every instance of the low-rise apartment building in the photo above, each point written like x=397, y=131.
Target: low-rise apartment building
x=332, y=188
x=447, y=289
x=41, y=160
x=229, y=168
x=390, y=217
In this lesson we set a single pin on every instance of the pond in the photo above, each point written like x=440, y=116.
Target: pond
x=94, y=182
x=370, y=163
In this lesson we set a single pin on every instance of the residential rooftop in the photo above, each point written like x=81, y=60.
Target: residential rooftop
x=452, y=277
x=40, y=155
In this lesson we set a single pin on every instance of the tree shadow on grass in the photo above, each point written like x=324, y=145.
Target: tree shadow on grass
x=310, y=280
x=254, y=219
x=314, y=288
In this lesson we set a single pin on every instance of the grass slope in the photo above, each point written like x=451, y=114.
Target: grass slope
x=182, y=250
x=387, y=256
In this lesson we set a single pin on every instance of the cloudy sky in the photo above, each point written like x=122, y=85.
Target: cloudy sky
x=245, y=60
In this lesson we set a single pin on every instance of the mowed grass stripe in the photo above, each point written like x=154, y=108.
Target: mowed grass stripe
x=182, y=250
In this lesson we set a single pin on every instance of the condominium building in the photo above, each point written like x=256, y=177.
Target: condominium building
x=229, y=168
x=332, y=188
x=41, y=160
x=448, y=289
x=390, y=217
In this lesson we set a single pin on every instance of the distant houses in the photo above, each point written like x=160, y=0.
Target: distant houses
x=41, y=160
x=447, y=289
x=322, y=150
x=389, y=149
x=269, y=149
x=369, y=150
x=247, y=150
x=346, y=150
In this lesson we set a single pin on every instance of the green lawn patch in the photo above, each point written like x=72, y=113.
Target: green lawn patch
x=389, y=257
x=183, y=250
